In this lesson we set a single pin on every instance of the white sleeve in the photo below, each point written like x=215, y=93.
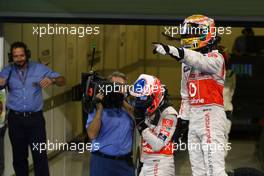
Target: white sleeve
x=210, y=63
x=185, y=102
x=163, y=131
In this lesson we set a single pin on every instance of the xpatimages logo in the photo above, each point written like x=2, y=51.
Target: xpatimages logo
x=243, y=69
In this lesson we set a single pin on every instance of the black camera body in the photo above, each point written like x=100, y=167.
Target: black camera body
x=92, y=83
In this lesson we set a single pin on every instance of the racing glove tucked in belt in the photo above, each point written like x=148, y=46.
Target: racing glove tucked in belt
x=181, y=129
x=175, y=52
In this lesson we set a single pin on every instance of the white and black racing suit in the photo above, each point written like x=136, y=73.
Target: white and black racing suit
x=202, y=83
x=157, y=145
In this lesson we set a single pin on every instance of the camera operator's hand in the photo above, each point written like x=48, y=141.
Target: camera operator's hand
x=94, y=127
x=98, y=101
x=128, y=108
x=2, y=81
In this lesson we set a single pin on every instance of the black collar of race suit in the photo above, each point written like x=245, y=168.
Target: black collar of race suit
x=205, y=50
x=212, y=44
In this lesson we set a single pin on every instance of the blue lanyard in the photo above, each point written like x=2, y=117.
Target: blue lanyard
x=21, y=77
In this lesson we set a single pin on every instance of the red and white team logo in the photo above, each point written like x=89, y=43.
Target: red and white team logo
x=192, y=89
x=167, y=122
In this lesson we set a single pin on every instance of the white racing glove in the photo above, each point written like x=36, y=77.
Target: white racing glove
x=175, y=52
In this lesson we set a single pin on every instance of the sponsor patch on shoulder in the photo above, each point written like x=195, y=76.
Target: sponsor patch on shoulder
x=213, y=55
x=167, y=122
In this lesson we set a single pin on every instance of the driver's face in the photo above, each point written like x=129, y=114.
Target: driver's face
x=19, y=56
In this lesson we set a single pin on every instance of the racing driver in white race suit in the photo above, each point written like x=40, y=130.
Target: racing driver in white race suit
x=156, y=122
x=203, y=75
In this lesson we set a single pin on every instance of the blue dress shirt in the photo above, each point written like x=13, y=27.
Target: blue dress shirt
x=116, y=133
x=25, y=93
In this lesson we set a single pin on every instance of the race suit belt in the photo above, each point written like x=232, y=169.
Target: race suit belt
x=121, y=157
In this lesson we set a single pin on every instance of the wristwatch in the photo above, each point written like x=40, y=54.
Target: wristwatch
x=53, y=80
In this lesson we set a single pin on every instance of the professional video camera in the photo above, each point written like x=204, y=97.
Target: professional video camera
x=92, y=83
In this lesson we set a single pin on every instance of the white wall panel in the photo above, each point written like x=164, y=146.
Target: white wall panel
x=101, y=46
x=59, y=60
x=58, y=168
x=45, y=52
x=152, y=35
x=59, y=114
x=111, y=45
x=132, y=44
x=48, y=115
x=82, y=49
x=12, y=33
x=70, y=61
x=122, y=46
x=141, y=41
x=31, y=39
x=98, y=41
x=71, y=78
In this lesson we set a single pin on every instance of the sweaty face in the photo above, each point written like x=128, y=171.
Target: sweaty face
x=19, y=56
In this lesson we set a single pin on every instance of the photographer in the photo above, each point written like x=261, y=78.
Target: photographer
x=111, y=125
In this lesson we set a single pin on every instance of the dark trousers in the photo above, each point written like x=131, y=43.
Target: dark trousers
x=100, y=166
x=27, y=131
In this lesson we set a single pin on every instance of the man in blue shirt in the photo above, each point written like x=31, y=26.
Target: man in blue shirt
x=25, y=80
x=112, y=129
